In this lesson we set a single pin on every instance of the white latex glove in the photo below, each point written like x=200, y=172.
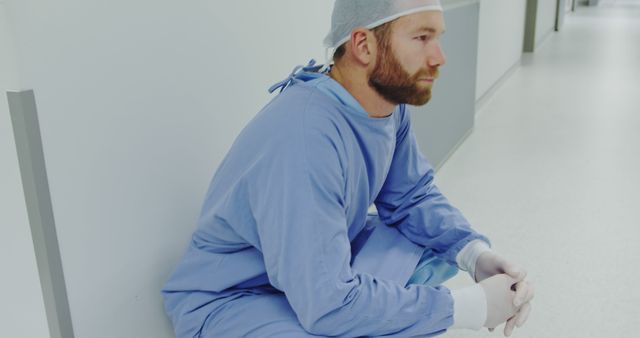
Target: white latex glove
x=524, y=294
x=500, y=296
x=489, y=264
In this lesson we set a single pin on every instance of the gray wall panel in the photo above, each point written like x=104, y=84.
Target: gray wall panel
x=445, y=121
x=24, y=117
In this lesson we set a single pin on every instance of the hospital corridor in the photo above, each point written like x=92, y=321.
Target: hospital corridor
x=164, y=171
x=550, y=172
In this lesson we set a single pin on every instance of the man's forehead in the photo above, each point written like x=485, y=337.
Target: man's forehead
x=428, y=21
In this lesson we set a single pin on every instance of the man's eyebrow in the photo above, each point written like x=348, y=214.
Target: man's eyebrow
x=429, y=29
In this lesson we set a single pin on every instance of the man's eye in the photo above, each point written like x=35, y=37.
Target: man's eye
x=423, y=37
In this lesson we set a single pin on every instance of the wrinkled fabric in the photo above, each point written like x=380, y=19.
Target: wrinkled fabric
x=287, y=202
x=432, y=270
x=379, y=250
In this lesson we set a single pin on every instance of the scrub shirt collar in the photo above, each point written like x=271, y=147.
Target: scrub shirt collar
x=317, y=76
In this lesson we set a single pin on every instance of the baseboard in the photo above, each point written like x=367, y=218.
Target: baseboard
x=454, y=149
x=488, y=95
x=544, y=38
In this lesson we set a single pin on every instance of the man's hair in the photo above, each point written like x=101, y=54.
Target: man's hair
x=381, y=33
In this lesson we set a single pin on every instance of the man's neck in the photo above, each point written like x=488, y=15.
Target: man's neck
x=357, y=85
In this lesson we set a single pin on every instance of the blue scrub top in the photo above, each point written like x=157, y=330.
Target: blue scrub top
x=290, y=197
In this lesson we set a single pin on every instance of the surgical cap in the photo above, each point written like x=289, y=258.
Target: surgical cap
x=350, y=14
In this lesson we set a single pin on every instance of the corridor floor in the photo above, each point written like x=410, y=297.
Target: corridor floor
x=551, y=173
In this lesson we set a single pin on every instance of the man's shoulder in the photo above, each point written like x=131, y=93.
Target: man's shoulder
x=305, y=98
x=304, y=108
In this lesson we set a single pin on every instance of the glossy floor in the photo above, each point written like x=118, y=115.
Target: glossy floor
x=551, y=174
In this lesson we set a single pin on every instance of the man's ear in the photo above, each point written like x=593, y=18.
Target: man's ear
x=363, y=46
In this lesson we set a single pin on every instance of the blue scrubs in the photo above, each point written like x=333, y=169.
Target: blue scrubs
x=280, y=248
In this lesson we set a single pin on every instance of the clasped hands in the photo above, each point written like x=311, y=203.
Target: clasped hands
x=508, y=293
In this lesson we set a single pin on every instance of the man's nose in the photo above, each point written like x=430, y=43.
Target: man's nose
x=436, y=56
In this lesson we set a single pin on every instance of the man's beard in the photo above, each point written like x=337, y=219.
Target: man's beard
x=397, y=86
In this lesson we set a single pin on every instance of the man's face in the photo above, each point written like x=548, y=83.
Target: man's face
x=408, y=59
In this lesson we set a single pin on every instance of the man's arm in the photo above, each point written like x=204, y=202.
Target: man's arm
x=410, y=200
x=297, y=200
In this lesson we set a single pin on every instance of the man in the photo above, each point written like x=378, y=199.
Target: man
x=285, y=246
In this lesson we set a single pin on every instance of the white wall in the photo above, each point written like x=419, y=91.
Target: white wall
x=500, y=40
x=22, y=311
x=546, y=19
x=138, y=102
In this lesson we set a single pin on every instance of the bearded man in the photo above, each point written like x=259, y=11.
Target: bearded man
x=286, y=245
